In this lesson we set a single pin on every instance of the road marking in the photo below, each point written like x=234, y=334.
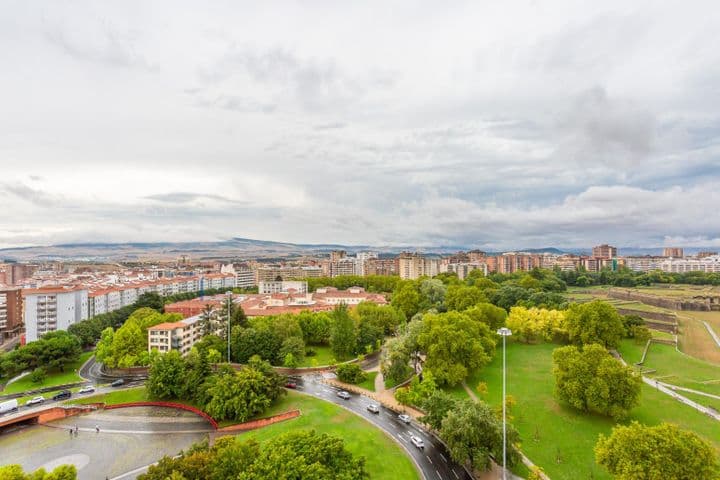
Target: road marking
x=438, y=474
x=429, y=459
x=443, y=457
x=402, y=438
x=456, y=475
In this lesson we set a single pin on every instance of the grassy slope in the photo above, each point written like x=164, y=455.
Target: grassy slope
x=324, y=357
x=138, y=394
x=54, y=378
x=369, y=383
x=674, y=367
x=384, y=458
x=561, y=431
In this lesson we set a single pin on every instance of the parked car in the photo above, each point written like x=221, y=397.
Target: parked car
x=344, y=395
x=35, y=401
x=417, y=441
x=118, y=383
x=372, y=408
x=404, y=418
x=87, y=389
x=62, y=395
x=9, y=406
x=290, y=384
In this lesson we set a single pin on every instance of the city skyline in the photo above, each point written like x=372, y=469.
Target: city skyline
x=527, y=125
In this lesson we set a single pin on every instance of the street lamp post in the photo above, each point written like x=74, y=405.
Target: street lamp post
x=504, y=332
x=229, y=299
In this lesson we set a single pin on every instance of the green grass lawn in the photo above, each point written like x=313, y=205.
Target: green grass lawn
x=324, y=356
x=54, y=377
x=674, y=367
x=385, y=459
x=369, y=383
x=137, y=394
x=551, y=431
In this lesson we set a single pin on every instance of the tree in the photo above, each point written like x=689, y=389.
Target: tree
x=167, y=376
x=240, y=395
x=208, y=321
x=350, y=373
x=395, y=361
x=247, y=342
x=640, y=452
x=293, y=346
x=38, y=375
x=594, y=322
x=386, y=317
x=212, y=342
x=343, y=334
x=473, y=433
x=591, y=380
x=315, y=327
x=535, y=324
x=197, y=371
x=436, y=407
x=507, y=296
x=15, y=472
x=432, y=293
x=57, y=349
x=454, y=344
x=462, y=297
x=406, y=299
x=487, y=313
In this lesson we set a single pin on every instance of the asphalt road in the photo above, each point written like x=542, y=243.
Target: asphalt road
x=433, y=460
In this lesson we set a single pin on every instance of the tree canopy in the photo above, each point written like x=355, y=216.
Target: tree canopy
x=594, y=322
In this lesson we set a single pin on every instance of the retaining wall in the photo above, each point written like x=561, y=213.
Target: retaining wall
x=259, y=423
x=180, y=406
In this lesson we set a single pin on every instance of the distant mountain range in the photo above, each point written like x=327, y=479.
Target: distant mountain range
x=239, y=249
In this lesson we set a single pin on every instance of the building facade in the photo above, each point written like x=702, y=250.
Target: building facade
x=179, y=336
x=11, y=313
x=51, y=309
x=412, y=266
x=604, y=251
x=673, y=252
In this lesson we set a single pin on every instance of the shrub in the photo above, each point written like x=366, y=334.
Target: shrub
x=350, y=373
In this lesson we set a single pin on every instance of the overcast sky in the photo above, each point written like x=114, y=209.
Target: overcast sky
x=493, y=124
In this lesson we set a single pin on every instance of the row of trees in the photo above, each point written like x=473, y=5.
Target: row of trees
x=627, y=278
x=15, y=472
x=294, y=455
x=286, y=339
x=224, y=394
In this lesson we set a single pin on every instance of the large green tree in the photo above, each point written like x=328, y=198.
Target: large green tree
x=454, y=345
x=594, y=322
x=462, y=297
x=343, y=333
x=166, y=378
x=591, y=380
x=473, y=433
x=641, y=452
x=406, y=299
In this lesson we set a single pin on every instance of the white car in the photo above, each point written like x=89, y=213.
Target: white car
x=344, y=395
x=372, y=408
x=404, y=418
x=417, y=441
x=35, y=401
x=88, y=389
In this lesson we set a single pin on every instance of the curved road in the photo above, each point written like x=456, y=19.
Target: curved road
x=433, y=461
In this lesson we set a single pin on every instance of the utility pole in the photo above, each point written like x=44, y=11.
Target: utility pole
x=229, y=299
x=504, y=332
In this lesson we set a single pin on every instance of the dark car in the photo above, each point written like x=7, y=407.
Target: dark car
x=118, y=383
x=62, y=395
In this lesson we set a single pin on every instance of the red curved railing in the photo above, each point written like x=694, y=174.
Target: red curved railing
x=180, y=406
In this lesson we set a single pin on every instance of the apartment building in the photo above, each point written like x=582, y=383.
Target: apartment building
x=54, y=308
x=283, y=287
x=707, y=264
x=272, y=273
x=244, y=278
x=343, y=266
x=510, y=262
x=362, y=259
x=462, y=270
x=604, y=251
x=179, y=336
x=381, y=266
x=412, y=266
x=673, y=252
x=11, y=313
x=645, y=263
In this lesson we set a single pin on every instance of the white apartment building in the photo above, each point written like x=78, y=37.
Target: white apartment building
x=643, y=264
x=244, y=278
x=343, y=266
x=180, y=336
x=709, y=264
x=363, y=257
x=51, y=309
x=283, y=287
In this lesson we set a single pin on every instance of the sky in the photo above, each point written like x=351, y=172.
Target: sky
x=497, y=125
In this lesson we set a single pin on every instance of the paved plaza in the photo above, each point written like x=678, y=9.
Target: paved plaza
x=128, y=439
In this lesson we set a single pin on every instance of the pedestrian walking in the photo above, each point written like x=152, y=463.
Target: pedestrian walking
x=97, y=429
x=71, y=432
